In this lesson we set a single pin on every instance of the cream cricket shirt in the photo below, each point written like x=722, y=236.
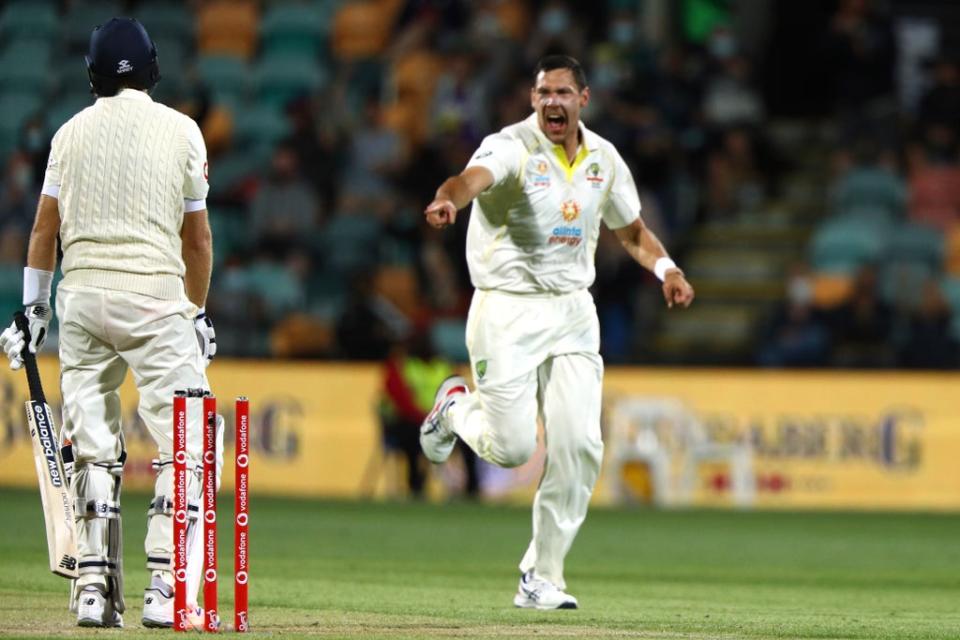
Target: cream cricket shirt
x=124, y=171
x=535, y=229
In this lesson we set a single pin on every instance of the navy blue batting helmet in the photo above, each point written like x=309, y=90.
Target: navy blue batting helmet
x=121, y=53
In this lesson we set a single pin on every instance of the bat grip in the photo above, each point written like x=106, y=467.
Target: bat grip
x=29, y=359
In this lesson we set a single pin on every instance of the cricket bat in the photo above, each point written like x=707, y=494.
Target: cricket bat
x=54, y=493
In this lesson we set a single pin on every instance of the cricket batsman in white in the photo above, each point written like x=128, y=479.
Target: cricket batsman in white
x=540, y=189
x=125, y=189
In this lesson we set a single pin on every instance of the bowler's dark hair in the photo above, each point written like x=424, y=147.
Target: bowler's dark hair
x=560, y=61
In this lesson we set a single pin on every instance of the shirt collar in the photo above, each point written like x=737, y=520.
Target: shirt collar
x=134, y=94
x=588, y=137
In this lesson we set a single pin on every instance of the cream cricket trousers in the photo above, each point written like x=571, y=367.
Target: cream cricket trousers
x=102, y=334
x=538, y=355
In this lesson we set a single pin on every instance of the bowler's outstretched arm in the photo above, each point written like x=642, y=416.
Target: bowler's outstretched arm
x=456, y=193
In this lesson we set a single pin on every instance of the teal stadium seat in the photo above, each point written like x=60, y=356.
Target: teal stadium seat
x=276, y=287
x=917, y=243
x=80, y=19
x=15, y=109
x=870, y=189
x=951, y=292
x=293, y=28
x=229, y=232
x=65, y=108
x=914, y=255
x=259, y=124
x=29, y=19
x=448, y=338
x=172, y=56
x=229, y=171
x=167, y=21
x=71, y=76
x=351, y=242
x=328, y=292
x=26, y=50
x=281, y=78
x=901, y=282
x=227, y=77
x=19, y=62
x=842, y=245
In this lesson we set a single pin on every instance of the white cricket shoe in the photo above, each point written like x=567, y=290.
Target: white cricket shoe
x=537, y=593
x=157, y=605
x=436, y=438
x=95, y=609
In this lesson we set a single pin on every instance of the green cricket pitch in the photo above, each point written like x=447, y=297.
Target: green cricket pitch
x=396, y=570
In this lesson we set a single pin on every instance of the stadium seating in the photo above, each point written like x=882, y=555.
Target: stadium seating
x=350, y=242
x=228, y=27
x=64, y=109
x=81, y=18
x=15, y=109
x=447, y=337
x=844, y=244
x=31, y=19
x=283, y=76
x=917, y=243
x=871, y=189
x=259, y=125
x=292, y=28
x=951, y=292
x=167, y=21
x=227, y=77
x=361, y=30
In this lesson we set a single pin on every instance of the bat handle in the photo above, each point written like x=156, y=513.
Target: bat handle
x=29, y=359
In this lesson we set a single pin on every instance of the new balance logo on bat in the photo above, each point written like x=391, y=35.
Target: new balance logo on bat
x=69, y=563
x=46, y=439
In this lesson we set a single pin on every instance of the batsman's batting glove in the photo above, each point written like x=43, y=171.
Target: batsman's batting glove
x=39, y=316
x=12, y=341
x=206, y=336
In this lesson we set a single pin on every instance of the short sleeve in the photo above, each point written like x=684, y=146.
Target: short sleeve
x=623, y=202
x=51, y=179
x=500, y=154
x=195, y=186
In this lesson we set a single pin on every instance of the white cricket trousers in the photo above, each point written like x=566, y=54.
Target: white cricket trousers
x=538, y=355
x=102, y=334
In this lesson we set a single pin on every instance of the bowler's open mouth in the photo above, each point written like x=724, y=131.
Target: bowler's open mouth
x=556, y=122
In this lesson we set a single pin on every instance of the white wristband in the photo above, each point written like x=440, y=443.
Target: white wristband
x=36, y=286
x=661, y=266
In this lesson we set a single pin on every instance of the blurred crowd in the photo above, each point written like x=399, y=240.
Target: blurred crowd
x=330, y=124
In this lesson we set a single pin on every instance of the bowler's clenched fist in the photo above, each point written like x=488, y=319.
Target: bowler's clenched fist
x=440, y=213
x=676, y=289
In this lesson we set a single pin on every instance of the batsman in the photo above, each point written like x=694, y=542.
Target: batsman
x=125, y=191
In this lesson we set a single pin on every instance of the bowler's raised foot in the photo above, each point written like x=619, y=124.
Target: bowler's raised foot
x=436, y=438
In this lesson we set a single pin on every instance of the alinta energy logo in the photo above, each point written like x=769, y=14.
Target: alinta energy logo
x=564, y=234
x=570, y=210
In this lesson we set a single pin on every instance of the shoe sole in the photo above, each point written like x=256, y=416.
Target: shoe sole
x=522, y=603
x=89, y=623
x=156, y=624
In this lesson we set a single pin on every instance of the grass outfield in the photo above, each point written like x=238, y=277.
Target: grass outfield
x=364, y=570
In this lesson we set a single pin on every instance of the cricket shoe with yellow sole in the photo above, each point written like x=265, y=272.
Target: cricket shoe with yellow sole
x=436, y=438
